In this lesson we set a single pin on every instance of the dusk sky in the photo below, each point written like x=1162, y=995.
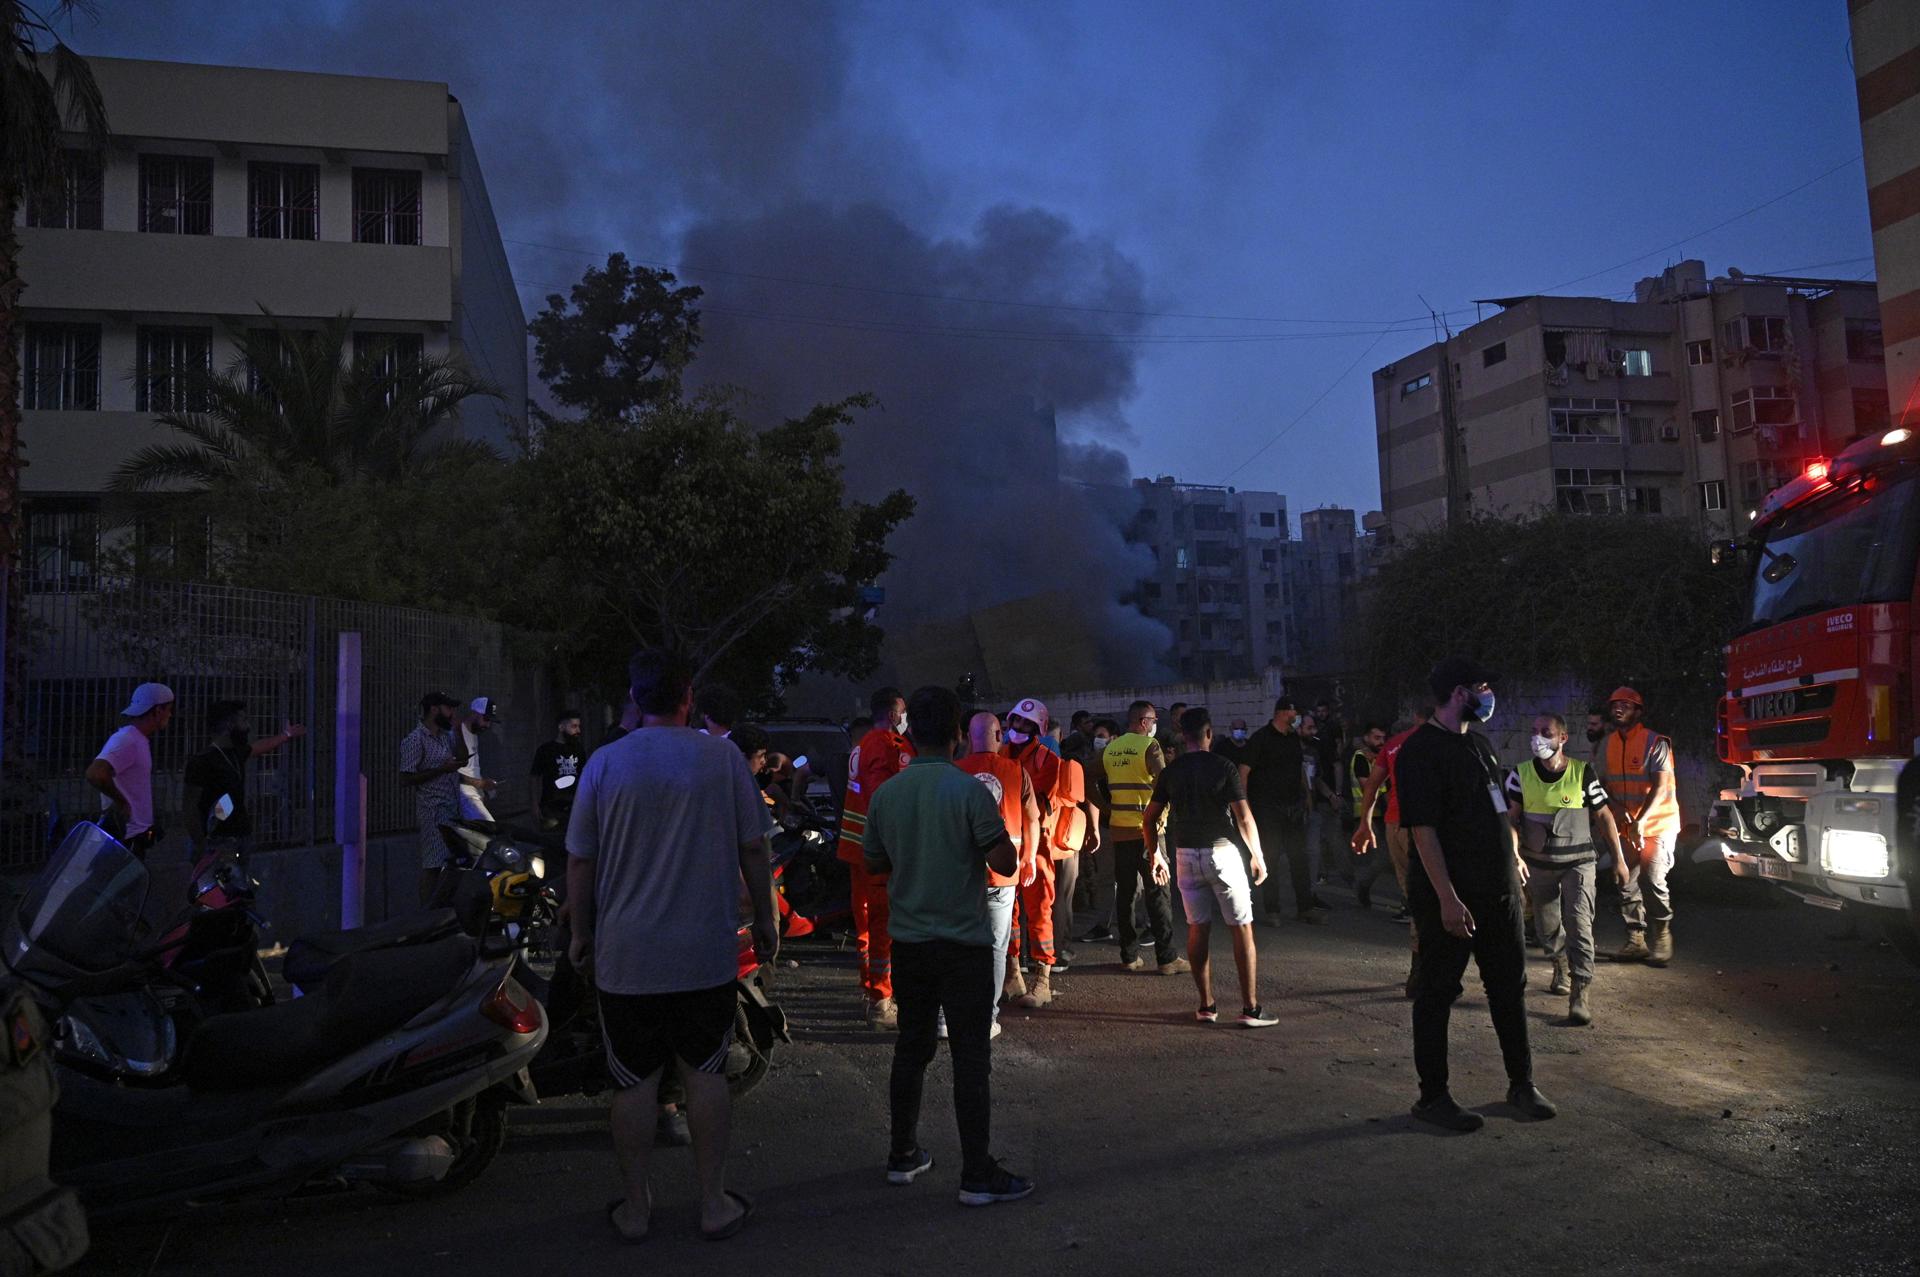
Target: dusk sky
x=1278, y=184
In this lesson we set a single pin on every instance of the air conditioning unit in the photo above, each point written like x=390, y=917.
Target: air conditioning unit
x=1670, y=433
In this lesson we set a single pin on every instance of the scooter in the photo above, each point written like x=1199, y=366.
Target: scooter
x=217, y=945
x=814, y=886
x=395, y=1071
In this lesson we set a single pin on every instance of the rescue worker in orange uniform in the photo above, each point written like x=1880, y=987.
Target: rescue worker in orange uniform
x=882, y=753
x=1637, y=767
x=1012, y=791
x=1029, y=745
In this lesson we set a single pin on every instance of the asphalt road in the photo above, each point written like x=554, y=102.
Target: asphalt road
x=1751, y=1109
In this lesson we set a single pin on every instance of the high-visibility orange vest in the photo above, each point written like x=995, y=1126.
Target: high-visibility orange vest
x=1060, y=785
x=880, y=756
x=1627, y=779
x=1004, y=780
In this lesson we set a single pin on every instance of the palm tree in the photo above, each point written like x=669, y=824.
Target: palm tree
x=46, y=90
x=293, y=408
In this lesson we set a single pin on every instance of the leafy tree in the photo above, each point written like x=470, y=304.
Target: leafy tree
x=685, y=527
x=293, y=410
x=1601, y=600
x=619, y=342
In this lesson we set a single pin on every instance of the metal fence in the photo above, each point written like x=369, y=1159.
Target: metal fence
x=85, y=652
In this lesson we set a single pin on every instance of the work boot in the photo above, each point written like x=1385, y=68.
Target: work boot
x=1040, y=992
x=1659, y=943
x=1015, y=987
x=1635, y=949
x=1179, y=966
x=883, y=1014
x=1561, y=985
x=1578, y=1012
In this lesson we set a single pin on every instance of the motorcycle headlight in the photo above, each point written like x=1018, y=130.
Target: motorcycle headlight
x=510, y=856
x=539, y=866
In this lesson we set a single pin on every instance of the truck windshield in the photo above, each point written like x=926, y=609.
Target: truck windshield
x=1853, y=547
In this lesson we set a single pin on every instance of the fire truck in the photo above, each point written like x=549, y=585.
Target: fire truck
x=1822, y=706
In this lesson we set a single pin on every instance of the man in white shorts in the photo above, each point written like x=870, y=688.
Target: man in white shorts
x=1209, y=812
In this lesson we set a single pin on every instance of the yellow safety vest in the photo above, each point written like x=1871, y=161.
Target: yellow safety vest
x=1129, y=783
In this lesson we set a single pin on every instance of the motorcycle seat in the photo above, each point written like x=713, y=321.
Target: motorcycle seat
x=555, y=840
x=310, y=958
x=365, y=995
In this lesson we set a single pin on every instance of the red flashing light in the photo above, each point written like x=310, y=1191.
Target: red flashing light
x=1817, y=470
x=510, y=1007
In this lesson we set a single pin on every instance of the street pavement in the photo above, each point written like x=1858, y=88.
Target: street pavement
x=1750, y=1109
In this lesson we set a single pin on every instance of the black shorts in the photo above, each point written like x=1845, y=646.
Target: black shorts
x=644, y=1030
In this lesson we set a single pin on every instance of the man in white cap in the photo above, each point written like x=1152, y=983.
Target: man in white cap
x=123, y=771
x=474, y=787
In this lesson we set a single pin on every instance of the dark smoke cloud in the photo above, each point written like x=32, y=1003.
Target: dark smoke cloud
x=751, y=138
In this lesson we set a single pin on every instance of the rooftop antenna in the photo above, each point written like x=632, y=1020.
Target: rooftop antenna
x=1441, y=329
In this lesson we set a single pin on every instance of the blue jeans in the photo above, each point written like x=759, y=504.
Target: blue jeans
x=1000, y=915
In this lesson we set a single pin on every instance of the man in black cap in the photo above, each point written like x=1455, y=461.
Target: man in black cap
x=1464, y=888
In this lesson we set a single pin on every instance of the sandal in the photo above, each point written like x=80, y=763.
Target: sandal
x=732, y=1229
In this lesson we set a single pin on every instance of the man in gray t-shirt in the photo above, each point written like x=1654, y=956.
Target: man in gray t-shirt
x=666, y=825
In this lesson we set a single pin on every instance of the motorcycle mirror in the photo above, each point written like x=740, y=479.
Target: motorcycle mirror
x=222, y=808
x=564, y=782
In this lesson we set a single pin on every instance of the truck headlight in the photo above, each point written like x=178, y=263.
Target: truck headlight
x=1855, y=853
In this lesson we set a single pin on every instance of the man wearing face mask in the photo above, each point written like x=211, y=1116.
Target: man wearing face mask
x=222, y=769
x=1029, y=746
x=1637, y=765
x=431, y=757
x=882, y=754
x=1236, y=740
x=1464, y=886
x=1555, y=802
x=1273, y=769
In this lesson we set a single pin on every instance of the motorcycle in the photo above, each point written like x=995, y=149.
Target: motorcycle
x=815, y=888
x=217, y=946
x=395, y=1070
x=498, y=885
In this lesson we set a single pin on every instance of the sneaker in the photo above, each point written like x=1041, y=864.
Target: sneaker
x=1402, y=914
x=907, y=1167
x=1447, y=1115
x=1534, y=1106
x=1312, y=917
x=1000, y=1185
x=1135, y=963
x=1315, y=902
x=1099, y=933
x=994, y=1032
x=1208, y=1014
x=1256, y=1017
x=883, y=1014
x=1179, y=966
x=1063, y=960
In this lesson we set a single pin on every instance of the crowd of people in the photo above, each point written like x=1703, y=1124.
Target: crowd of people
x=974, y=841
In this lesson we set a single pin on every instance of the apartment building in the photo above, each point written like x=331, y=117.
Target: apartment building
x=1220, y=581
x=226, y=191
x=1886, y=66
x=1324, y=570
x=1693, y=400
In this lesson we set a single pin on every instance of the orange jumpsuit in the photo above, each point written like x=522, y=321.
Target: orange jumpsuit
x=880, y=756
x=1033, y=909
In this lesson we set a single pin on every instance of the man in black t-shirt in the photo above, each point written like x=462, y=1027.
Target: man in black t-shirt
x=556, y=770
x=221, y=769
x=1209, y=809
x=1464, y=889
x=1273, y=767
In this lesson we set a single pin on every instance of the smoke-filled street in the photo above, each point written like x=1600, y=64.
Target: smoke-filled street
x=1750, y=1109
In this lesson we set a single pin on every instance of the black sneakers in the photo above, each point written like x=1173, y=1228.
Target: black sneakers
x=1000, y=1185
x=1534, y=1106
x=904, y=1168
x=1442, y=1112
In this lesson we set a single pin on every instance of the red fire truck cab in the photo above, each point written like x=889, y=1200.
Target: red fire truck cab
x=1820, y=712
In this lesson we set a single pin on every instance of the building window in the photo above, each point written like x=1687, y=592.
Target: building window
x=1268, y=519
x=1870, y=415
x=389, y=352
x=1706, y=425
x=1579, y=490
x=1180, y=559
x=1272, y=592
x=283, y=201
x=62, y=370
x=1150, y=589
x=1758, y=478
x=1214, y=554
x=62, y=549
x=1640, y=430
x=1269, y=557
x=1864, y=341
x=1419, y=383
x=1637, y=363
x=1206, y=629
x=164, y=358
x=1581, y=420
x=1699, y=352
x=1186, y=628
x=1764, y=333
x=1494, y=354
x=1231, y=594
x=386, y=206
x=71, y=201
x=1764, y=406
x=1713, y=495
x=1645, y=500
x=176, y=195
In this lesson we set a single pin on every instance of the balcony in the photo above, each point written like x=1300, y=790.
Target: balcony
x=125, y=271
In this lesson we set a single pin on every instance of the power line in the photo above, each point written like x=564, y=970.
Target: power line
x=1301, y=416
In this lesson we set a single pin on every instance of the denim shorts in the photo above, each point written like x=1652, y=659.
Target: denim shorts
x=1213, y=880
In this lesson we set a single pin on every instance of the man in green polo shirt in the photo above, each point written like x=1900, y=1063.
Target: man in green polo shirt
x=935, y=829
